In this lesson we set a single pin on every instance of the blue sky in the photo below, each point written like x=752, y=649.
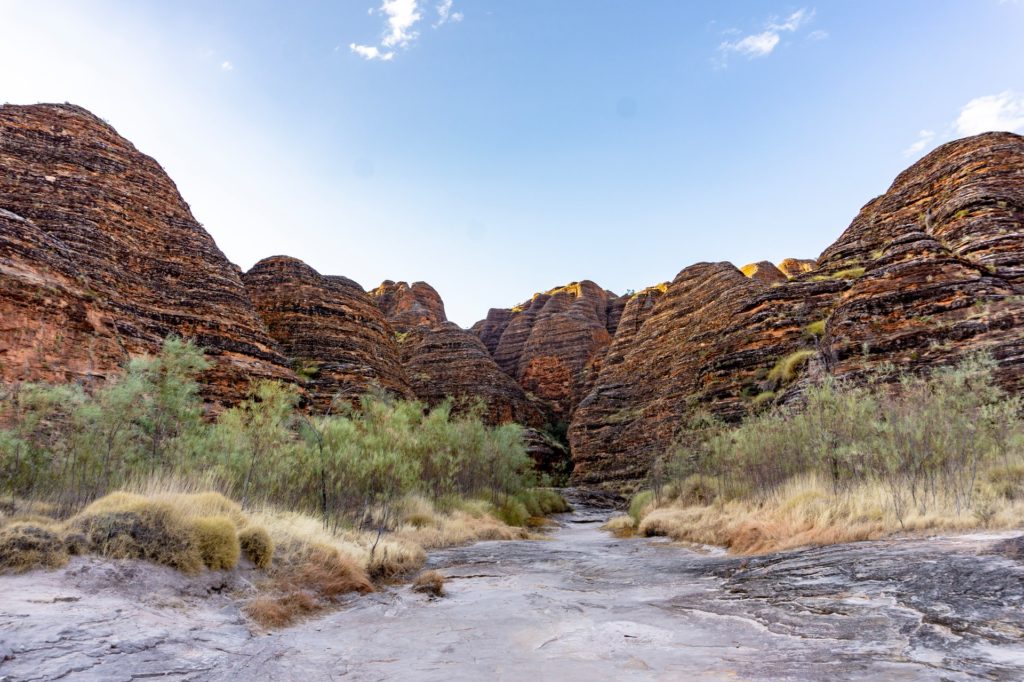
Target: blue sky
x=495, y=149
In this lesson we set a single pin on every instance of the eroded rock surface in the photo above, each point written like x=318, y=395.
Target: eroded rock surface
x=407, y=306
x=926, y=275
x=551, y=343
x=447, y=361
x=333, y=332
x=101, y=259
x=579, y=606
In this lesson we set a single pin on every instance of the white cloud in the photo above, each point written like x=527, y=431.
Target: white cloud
x=793, y=21
x=758, y=45
x=446, y=15
x=762, y=44
x=399, y=27
x=817, y=35
x=1004, y=111
x=227, y=66
x=371, y=52
x=924, y=138
x=402, y=16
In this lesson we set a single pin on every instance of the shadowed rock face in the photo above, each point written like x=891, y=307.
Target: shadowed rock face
x=550, y=344
x=448, y=361
x=330, y=328
x=101, y=259
x=925, y=275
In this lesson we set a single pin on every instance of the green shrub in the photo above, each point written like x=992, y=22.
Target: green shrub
x=512, y=512
x=639, y=504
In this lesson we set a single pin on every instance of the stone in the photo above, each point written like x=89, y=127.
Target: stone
x=337, y=339
x=101, y=259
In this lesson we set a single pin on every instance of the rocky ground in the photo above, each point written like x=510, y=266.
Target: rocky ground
x=580, y=605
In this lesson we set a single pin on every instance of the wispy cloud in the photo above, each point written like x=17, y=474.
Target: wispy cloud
x=371, y=52
x=446, y=15
x=924, y=138
x=763, y=43
x=401, y=18
x=1001, y=112
x=817, y=35
x=227, y=66
x=1004, y=111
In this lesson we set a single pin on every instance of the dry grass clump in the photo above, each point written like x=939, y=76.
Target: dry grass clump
x=806, y=512
x=127, y=526
x=430, y=582
x=459, y=528
x=281, y=610
x=186, y=531
x=257, y=545
x=28, y=544
x=217, y=540
x=620, y=526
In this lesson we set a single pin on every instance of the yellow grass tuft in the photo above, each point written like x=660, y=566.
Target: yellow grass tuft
x=257, y=545
x=620, y=526
x=806, y=512
x=217, y=541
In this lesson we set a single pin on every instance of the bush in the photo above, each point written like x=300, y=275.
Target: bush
x=430, y=582
x=257, y=545
x=25, y=545
x=512, y=512
x=639, y=505
x=217, y=540
x=933, y=442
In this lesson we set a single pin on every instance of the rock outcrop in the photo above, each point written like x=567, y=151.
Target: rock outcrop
x=925, y=275
x=550, y=344
x=407, y=306
x=791, y=267
x=764, y=271
x=101, y=259
x=447, y=361
x=339, y=342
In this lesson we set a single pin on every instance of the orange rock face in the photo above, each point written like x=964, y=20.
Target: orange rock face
x=764, y=271
x=925, y=275
x=407, y=306
x=791, y=267
x=338, y=340
x=101, y=259
x=551, y=344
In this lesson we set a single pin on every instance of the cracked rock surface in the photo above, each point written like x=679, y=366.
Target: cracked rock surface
x=581, y=605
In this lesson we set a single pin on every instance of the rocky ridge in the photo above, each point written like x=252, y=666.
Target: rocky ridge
x=101, y=259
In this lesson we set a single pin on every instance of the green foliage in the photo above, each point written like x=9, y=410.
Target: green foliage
x=937, y=437
x=61, y=443
x=639, y=504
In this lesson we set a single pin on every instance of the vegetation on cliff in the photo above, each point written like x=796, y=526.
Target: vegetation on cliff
x=852, y=462
x=366, y=489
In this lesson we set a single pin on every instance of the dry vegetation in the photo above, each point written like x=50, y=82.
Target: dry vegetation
x=429, y=582
x=937, y=453
x=327, y=506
